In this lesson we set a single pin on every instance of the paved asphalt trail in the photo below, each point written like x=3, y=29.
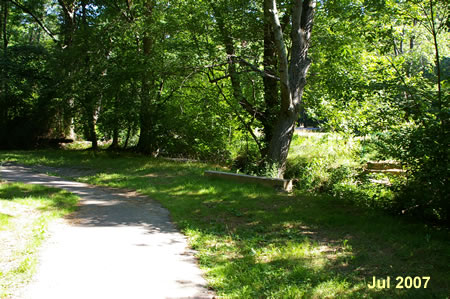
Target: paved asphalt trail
x=117, y=245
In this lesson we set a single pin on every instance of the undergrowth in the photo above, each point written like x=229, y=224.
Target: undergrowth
x=335, y=164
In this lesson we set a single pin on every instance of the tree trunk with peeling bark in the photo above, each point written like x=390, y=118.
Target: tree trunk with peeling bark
x=292, y=72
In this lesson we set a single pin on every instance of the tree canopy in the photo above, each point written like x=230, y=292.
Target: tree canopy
x=231, y=78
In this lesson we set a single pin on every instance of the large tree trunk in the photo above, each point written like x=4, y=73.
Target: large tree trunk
x=270, y=84
x=145, y=136
x=292, y=76
x=4, y=23
x=4, y=107
x=266, y=117
x=91, y=127
x=281, y=141
x=68, y=8
x=115, y=142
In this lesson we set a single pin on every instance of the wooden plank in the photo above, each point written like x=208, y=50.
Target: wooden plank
x=285, y=185
x=383, y=165
x=390, y=171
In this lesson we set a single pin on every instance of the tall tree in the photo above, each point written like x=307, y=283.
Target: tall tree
x=292, y=72
x=147, y=81
x=270, y=64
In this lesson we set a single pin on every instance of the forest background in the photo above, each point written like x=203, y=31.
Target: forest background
x=206, y=80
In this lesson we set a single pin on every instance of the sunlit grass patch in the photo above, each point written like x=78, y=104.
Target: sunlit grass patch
x=4, y=220
x=332, y=288
x=29, y=209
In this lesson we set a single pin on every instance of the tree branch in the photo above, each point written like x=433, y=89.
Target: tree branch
x=286, y=99
x=227, y=76
x=302, y=21
x=247, y=126
x=169, y=96
x=28, y=11
x=279, y=42
x=67, y=11
x=256, y=69
x=215, y=80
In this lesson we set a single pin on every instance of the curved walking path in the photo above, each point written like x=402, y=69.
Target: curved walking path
x=117, y=245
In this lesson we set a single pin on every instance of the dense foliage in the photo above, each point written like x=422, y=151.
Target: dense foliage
x=204, y=79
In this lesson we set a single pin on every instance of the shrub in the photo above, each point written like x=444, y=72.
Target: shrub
x=424, y=150
x=332, y=163
x=313, y=159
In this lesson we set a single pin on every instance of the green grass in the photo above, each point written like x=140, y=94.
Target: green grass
x=26, y=212
x=253, y=242
x=4, y=221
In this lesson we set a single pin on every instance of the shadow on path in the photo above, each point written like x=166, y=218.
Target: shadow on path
x=117, y=245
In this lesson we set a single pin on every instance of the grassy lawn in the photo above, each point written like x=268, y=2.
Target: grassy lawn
x=254, y=242
x=25, y=212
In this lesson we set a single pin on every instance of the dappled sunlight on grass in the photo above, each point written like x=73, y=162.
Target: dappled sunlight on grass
x=55, y=201
x=330, y=289
x=255, y=242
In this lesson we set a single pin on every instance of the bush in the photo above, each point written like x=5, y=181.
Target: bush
x=424, y=150
x=332, y=163
x=312, y=159
x=247, y=158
